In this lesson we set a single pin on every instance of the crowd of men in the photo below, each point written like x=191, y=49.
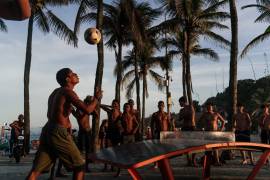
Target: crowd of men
x=57, y=142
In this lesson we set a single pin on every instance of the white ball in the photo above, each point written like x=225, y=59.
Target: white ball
x=92, y=36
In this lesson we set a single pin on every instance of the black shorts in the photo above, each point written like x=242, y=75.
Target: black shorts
x=188, y=128
x=242, y=136
x=265, y=136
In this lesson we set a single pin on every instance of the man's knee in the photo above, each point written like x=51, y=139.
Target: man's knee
x=79, y=168
x=32, y=175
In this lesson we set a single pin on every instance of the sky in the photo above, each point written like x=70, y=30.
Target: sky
x=49, y=54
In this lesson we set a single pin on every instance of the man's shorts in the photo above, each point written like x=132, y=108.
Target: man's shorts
x=128, y=139
x=242, y=136
x=188, y=128
x=56, y=142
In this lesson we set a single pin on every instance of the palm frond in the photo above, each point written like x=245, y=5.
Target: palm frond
x=130, y=75
x=217, y=25
x=61, y=29
x=222, y=42
x=42, y=21
x=130, y=89
x=158, y=79
x=82, y=10
x=57, y=2
x=215, y=16
x=256, y=41
x=88, y=18
x=266, y=2
x=214, y=7
x=207, y=53
x=264, y=17
x=260, y=8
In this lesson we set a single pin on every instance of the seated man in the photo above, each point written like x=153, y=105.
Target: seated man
x=16, y=130
x=15, y=9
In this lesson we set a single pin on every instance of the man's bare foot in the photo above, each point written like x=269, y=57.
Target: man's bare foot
x=244, y=162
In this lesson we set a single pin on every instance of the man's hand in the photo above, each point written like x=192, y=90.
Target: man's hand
x=98, y=93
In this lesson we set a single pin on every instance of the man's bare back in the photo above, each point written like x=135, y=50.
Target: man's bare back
x=187, y=114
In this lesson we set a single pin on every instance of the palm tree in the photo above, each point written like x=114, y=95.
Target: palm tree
x=84, y=16
x=263, y=8
x=3, y=26
x=45, y=21
x=176, y=49
x=140, y=16
x=195, y=19
x=147, y=63
x=114, y=31
x=233, y=62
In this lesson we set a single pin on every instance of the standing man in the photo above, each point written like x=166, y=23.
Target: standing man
x=114, y=131
x=159, y=121
x=264, y=123
x=187, y=115
x=210, y=121
x=56, y=140
x=242, y=124
x=16, y=130
x=137, y=116
x=130, y=125
x=84, y=134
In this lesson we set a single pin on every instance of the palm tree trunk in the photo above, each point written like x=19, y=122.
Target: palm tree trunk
x=27, y=68
x=119, y=73
x=144, y=97
x=188, y=80
x=233, y=63
x=187, y=62
x=137, y=88
x=184, y=77
x=99, y=74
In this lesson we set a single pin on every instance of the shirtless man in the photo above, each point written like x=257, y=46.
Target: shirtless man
x=159, y=121
x=115, y=129
x=136, y=114
x=264, y=124
x=15, y=9
x=114, y=122
x=84, y=134
x=242, y=124
x=209, y=121
x=187, y=115
x=16, y=129
x=56, y=140
x=129, y=124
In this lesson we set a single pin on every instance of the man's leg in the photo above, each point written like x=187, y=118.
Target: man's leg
x=78, y=175
x=32, y=175
x=87, y=149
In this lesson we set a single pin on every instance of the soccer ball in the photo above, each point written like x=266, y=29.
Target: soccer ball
x=92, y=36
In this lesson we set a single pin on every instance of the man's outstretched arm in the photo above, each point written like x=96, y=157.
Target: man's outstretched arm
x=15, y=9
